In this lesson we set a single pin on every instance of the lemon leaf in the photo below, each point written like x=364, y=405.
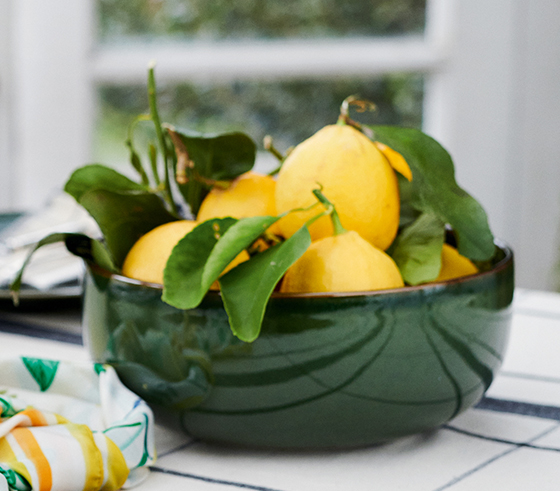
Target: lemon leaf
x=211, y=157
x=97, y=176
x=123, y=209
x=183, y=276
x=80, y=245
x=247, y=287
x=206, y=254
x=91, y=250
x=236, y=239
x=434, y=190
x=124, y=217
x=417, y=249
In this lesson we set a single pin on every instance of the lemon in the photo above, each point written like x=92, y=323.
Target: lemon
x=342, y=263
x=147, y=258
x=251, y=194
x=454, y=265
x=356, y=177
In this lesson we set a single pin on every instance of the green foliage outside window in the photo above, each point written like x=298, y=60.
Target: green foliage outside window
x=248, y=19
x=290, y=111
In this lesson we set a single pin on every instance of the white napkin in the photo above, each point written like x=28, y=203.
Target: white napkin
x=51, y=265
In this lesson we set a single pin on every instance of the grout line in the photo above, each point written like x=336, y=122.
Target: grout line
x=210, y=479
x=178, y=448
x=503, y=440
x=475, y=469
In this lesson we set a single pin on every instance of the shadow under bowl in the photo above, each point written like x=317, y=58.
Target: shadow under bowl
x=328, y=370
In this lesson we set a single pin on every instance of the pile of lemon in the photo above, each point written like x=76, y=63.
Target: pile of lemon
x=357, y=175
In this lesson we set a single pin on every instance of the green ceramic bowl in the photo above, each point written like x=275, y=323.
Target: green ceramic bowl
x=328, y=371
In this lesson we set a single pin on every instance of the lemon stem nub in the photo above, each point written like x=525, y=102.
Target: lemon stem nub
x=337, y=225
x=361, y=106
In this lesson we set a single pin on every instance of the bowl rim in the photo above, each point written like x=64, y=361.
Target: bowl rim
x=501, y=265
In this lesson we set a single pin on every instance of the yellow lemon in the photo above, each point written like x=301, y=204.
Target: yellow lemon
x=342, y=263
x=251, y=194
x=454, y=265
x=147, y=258
x=356, y=177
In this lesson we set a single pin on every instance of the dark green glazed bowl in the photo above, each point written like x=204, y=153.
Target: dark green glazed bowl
x=328, y=371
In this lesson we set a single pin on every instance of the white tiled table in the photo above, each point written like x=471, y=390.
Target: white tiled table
x=510, y=442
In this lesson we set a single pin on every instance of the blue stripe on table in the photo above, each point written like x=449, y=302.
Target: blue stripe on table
x=517, y=407
x=26, y=329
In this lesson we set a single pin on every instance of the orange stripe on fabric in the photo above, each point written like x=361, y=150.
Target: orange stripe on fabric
x=36, y=417
x=33, y=451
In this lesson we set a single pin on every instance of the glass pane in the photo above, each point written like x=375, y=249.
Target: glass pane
x=289, y=111
x=250, y=19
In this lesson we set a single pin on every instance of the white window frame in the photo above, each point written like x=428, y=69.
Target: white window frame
x=488, y=88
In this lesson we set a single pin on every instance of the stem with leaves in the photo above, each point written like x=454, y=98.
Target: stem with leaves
x=331, y=210
x=167, y=157
x=134, y=157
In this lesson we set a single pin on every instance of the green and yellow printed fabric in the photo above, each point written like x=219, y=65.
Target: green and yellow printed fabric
x=68, y=427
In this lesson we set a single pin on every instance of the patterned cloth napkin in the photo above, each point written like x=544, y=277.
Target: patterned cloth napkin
x=67, y=427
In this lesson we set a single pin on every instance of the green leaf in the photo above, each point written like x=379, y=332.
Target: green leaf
x=123, y=209
x=80, y=245
x=15, y=286
x=417, y=249
x=434, y=190
x=91, y=250
x=97, y=176
x=184, y=274
x=214, y=157
x=237, y=238
x=247, y=287
x=124, y=217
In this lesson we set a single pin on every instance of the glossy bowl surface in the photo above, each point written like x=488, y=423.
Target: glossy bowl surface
x=328, y=371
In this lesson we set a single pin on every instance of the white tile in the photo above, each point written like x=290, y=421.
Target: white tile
x=552, y=439
x=533, y=346
x=423, y=462
x=536, y=301
x=167, y=482
x=505, y=426
x=525, y=389
x=521, y=469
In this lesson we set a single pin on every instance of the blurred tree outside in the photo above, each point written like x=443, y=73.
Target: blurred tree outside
x=290, y=110
x=222, y=19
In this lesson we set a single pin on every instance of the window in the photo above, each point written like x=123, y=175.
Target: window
x=266, y=67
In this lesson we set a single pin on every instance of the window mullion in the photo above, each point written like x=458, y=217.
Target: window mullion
x=51, y=96
x=270, y=59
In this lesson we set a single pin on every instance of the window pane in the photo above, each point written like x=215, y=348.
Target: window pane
x=250, y=19
x=289, y=111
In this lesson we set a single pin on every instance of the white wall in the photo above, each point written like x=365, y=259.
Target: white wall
x=6, y=133
x=50, y=95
